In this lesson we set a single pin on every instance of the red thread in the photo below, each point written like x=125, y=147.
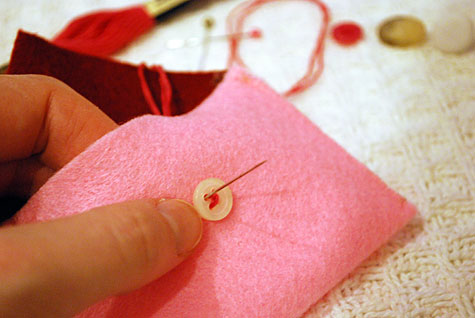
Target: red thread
x=234, y=25
x=347, y=33
x=165, y=91
x=147, y=94
x=105, y=32
x=214, y=200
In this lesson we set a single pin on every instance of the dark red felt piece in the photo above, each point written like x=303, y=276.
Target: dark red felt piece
x=111, y=85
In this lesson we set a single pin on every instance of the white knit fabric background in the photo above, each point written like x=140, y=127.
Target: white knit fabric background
x=407, y=114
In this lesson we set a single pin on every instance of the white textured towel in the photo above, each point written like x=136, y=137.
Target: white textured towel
x=407, y=114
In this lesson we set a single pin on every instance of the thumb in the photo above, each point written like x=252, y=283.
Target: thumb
x=60, y=267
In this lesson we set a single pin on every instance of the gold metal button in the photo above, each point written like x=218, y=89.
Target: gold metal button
x=402, y=31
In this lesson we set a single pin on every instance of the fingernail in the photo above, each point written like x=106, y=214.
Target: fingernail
x=185, y=223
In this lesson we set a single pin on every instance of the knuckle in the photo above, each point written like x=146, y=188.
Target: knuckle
x=48, y=80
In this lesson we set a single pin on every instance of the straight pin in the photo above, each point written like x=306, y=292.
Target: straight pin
x=174, y=44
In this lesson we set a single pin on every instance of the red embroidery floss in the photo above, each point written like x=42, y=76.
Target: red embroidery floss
x=104, y=32
x=234, y=25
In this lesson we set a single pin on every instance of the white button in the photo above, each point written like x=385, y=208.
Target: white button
x=218, y=206
x=453, y=34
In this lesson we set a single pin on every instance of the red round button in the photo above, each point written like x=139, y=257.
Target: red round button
x=347, y=33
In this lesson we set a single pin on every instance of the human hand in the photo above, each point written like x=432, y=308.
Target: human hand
x=60, y=267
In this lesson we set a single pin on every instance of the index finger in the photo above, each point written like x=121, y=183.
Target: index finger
x=43, y=117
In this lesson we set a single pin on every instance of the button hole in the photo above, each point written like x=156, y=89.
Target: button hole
x=213, y=200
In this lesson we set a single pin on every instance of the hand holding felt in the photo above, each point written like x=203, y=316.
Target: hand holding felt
x=300, y=223
x=61, y=267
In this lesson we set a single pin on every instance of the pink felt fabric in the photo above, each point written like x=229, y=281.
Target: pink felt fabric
x=299, y=225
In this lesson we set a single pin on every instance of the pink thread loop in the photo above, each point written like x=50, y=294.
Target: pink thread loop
x=234, y=25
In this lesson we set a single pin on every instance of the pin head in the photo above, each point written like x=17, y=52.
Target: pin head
x=217, y=206
x=209, y=23
x=255, y=33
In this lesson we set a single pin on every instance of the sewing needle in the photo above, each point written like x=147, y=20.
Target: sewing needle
x=238, y=177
